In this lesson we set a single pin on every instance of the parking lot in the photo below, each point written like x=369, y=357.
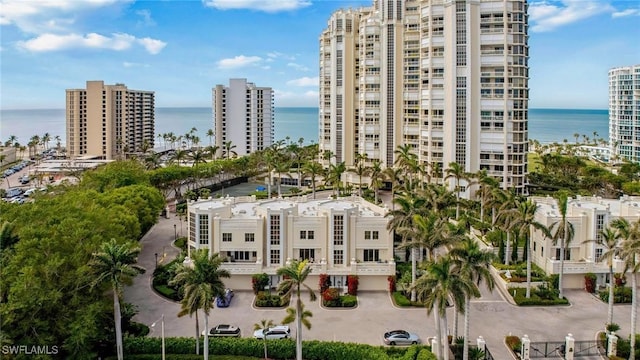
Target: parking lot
x=491, y=316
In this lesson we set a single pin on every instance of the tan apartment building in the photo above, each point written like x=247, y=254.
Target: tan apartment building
x=448, y=78
x=109, y=121
x=243, y=114
x=589, y=215
x=624, y=112
x=340, y=237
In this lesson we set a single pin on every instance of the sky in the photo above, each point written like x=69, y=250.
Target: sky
x=181, y=49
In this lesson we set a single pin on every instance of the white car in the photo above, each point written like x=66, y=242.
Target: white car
x=28, y=192
x=276, y=332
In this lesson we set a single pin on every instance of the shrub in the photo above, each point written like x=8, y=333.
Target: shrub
x=331, y=294
x=536, y=299
x=324, y=282
x=352, y=284
x=349, y=301
x=264, y=299
x=621, y=295
x=167, y=292
x=401, y=300
x=392, y=283
x=513, y=342
x=590, y=282
x=259, y=282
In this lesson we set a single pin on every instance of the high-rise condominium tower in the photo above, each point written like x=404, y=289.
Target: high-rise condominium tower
x=243, y=115
x=109, y=121
x=446, y=79
x=624, y=112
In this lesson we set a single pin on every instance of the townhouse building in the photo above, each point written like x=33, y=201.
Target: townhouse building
x=339, y=237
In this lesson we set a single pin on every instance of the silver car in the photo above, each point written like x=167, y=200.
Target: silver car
x=400, y=337
x=276, y=332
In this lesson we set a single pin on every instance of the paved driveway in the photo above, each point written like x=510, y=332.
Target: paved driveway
x=491, y=316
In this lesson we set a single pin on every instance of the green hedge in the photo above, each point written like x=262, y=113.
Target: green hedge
x=167, y=292
x=535, y=298
x=400, y=300
x=278, y=349
x=182, y=357
x=621, y=295
x=346, y=301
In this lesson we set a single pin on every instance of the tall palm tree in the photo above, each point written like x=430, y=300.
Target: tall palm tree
x=393, y=175
x=360, y=169
x=228, y=149
x=375, y=176
x=294, y=275
x=264, y=325
x=608, y=239
x=46, y=138
x=488, y=184
x=630, y=234
x=506, y=201
x=402, y=218
x=334, y=176
x=475, y=265
x=442, y=282
x=406, y=160
x=312, y=169
x=210, y=135
x=202, y=282
x=115, y=264
x=523, y=217
x=456, y=171
x=564, y=232
x=12, y=139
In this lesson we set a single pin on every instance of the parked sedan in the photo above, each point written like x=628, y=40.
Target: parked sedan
x=224, y=330
x=225, y=300
x=400, y=337
x=276, y=332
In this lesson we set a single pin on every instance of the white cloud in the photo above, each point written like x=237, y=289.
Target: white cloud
x=146, y=19
x=304, y=81
x=39, y=16
x=238, y=62
x=296, y=99
x=270, y=6
x=298, y=66
x=133, y=64
x=117, y=42
x=153, y=46
x=627, y=12
x=547, y=15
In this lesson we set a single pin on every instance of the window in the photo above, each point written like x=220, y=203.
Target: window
x=338, y=257
x=307, y=235
x=204, y=229
x=338, y=230
x=227, y=237
x=249, y=237
x=307, y=254
x=371, y=235
x=274, y=256
x=598, y=255
x=275, y=229
x=371, y=255
x=567, y=254
x=244, y=256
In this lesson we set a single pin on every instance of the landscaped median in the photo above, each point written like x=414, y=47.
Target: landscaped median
x=248, y=348
x=511, y=281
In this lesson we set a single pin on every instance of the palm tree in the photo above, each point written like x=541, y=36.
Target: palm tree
x=442, y=282
x=201, y=279
x=402, y=218
x=523, y=217
x=360, y=169
x=210, y=135
x=406, y=160
x=264, y=325
x=488, y=184
x=228, y=149
x=282, y=166
x=115, y=264
x=12, y=139
x=506, y=200
x=630, y=234
x=304, y=319
x=313, y=169
x=393, y=175
x=46, y=138
x=294, y=275
x=564, y=231
x=334, y=176
x=457, y=172
x=376, y=177
x=609, y=238
x=475, y=265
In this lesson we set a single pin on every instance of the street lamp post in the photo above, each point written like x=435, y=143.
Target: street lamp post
x=175, y=233
x=162, y=333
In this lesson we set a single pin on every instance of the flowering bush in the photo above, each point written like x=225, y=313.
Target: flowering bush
x=352, y=284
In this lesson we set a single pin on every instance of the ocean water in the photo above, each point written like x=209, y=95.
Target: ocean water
x=545, y=125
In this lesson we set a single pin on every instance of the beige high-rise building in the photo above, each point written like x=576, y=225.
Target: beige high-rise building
x=243, y=115
x=109, y=121
x=447, y=78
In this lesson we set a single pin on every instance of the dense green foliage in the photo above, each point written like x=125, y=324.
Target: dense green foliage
x=278, y=349
x=539, y=296
x=48, y=294
x=621, y=295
